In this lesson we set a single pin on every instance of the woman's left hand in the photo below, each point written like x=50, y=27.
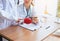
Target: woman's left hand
x=34, y=20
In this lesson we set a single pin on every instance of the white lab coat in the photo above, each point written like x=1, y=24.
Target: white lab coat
x=8, y=13
x=23, y=13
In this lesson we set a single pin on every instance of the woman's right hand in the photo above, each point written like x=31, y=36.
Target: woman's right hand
x=18, y=21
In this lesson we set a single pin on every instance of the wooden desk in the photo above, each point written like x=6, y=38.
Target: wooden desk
x=16, y=33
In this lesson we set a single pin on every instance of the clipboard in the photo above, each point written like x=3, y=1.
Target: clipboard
x=31, y=26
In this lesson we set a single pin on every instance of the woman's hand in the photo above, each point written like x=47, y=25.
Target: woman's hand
x=18, y=21
x=34, y=20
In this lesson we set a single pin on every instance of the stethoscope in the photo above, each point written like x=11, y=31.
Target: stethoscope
x=18, y=2
x=27, y=12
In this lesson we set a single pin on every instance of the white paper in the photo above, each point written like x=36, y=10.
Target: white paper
x=31, y=26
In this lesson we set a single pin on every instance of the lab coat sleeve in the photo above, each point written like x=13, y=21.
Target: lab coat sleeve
x=34, y=13
x=3, y=12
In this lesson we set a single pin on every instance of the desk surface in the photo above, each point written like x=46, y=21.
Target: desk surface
x=16, y=33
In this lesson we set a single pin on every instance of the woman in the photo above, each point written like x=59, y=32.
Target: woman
x=27, y=10
x=7, y=9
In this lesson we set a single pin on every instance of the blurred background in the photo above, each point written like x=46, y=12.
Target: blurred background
x=58, y=19
x=58, y=14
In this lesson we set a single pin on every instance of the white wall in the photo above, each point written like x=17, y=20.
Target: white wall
x=51, y=6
